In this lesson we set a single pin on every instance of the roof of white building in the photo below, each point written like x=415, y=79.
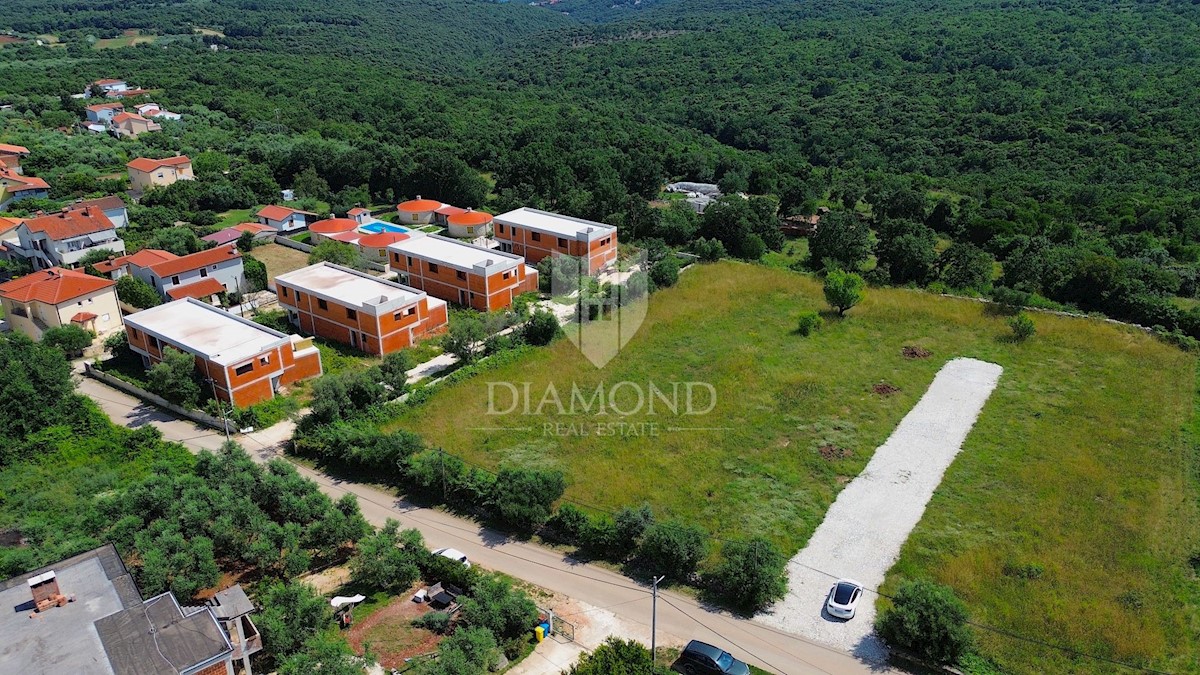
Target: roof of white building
x=454, y=253
x=553, y=223
x=349, y=287
x=206, y=331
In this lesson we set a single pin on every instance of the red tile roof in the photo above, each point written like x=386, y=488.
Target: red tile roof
x=117, y=119
x=83, y=317
x=105, y=106
x=382, y=239
x=129, y=92
x=147, y=257
x=199, y=290
x=347, y=237
x=195, y=261
x=276, y=212
x=253, y=227
x=23, y=182
x=70, y=223
x=448, y=210
x=105, y=203
x=224, y=236
x=332, y=225
x=470, y=218
x=108, y=81
x=146, y=165
x=419, y=205
x=358, y=210
x=53, y=286
x=8, y=224
x=7, y=149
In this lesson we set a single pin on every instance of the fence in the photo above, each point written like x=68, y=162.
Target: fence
x=153, y=399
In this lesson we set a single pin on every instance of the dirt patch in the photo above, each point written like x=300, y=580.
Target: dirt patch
x=832, y=452
x=279, y=259
x=10, y=40
x=390, y=632
x=914, y=352
x=328, y=581
x=885, y=389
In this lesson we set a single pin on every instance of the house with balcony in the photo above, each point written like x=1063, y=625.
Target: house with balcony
x=120, y=266
x=365, y=312
x=284, y=218
x=132, y=125
x=244, y=362
x=57, y=297
x=15, y=186
x=154, y=110
x=536, y=234
x=455, y=271
x=114, y=208
x=103, y=113
x=11, y=156
x=61, y=239
x=199, y=275
x=145, y=173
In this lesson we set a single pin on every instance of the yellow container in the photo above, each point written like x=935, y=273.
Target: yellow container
x=539, y=633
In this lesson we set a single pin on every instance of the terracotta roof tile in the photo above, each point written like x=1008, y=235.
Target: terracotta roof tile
x=105, y=106
x=146, y=257
x=83, y=317
x=199, y=290
x=276, y=212
x=195, y=261
x=382, y=239
x=7, y=149
x=470, y=218
x=53, y=286
x=70, y=223
x=418, y=205
x=333, y=225
x=146, y=165
x=448, y=210
x=347, y=237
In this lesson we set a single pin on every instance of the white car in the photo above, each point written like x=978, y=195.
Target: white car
x=843, y=598
x=453, y=554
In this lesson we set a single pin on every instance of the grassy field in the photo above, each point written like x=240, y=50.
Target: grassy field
x=129, y=38
x=279, y=259
x=1077, y=464
x=236, y=217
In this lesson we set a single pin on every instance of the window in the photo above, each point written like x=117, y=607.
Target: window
x=203, y=272
x=409, y=260
x=562, y=241
x=351, y=314
x=264, y=360
x=462, y=276
x=134, y=332
x=507, y=274
x=396, y=258
x=283, y=291
x=414, y=217
x=175, y=280
x=244, y=368
x=433, y=268
x=322, y=304
x=155, y=343
x=500, y=227
x=410, y=311
x=536, y=236
x=214, y=268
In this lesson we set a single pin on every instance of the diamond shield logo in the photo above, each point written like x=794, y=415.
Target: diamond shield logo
x=605, y=308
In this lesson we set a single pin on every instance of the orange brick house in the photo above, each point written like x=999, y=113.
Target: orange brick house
x=357, y=309
x=244, y=362
x=536, y=234
x=481, y=278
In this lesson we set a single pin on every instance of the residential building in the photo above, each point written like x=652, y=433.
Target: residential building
x=198, y=275
x=15, y=186
x=230, y=235
x=283, y=218
x=373, y=247
x=132, y=125
x=11, y=156
x=368, y=313
x=244, y=362
x=116, y=267
x=108, y=86
x=8, y=236
x=113, y=207
x=326, y=229
x=156, y=111
x=103, y=113
x=360, y=215
x=469, y=224
x=86, y=615
x=61, y=239
x=417, y=211
x=442, y=216
x=60, y=297
x=485, y=279
x=145, y=173
x=535, y=234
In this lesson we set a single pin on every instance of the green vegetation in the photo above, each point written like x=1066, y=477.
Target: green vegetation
x=137, y=293
x=618, y=657
x=928, y=621
x=844, y=290
x=71, y=339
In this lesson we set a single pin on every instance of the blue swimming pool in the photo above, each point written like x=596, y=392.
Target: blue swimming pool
x=376, y=228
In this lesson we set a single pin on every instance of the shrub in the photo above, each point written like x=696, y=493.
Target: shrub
x=541, y=329
x=523, y=498
x=709, y=250
x=809, y=322
x=394, y=372
x=1022, y=327
x=629, y=526
x=495, y=605
x=254, y=270
x=438, y=622
x=673, y=548
x=844, y=290
x=337, y=253
x=1008, y=300
x=928, y=620
x=752, y=574
x=568, y=524
x=71, y=339
x=618, y=656
x=133, y=291
x=665, y=272
x=175, y=379
x=385, y=559
x=116, y=342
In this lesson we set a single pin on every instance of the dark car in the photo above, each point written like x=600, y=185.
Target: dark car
x=699, y=658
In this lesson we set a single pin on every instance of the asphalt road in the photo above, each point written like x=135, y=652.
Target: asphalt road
x=679, y=616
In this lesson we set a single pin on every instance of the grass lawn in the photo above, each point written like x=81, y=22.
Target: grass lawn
x=1077, y=464
x=794, y=251
x=279, y=259
x=236, y=217
x=129, y=38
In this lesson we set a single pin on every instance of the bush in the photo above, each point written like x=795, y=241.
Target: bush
x=752, y=574
x=175, y=378
x=568, y=525
x=541, y=329
x=1022, y=327
x=809, y=322
x=615, y=655
x=844, y=290
x=928, y=620
x=438, y=622
x=709, y=250
x=665, y=272
x=70, y=339
x=386, y=560
x=134, y=291
x=394, y=372
x=254, y=270
x=495, y=605
x=337, y=253
x=629, y=525
x=1008, y=300
x=523, y=498
x=673, y=548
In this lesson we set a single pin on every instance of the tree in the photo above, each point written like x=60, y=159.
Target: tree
x=322, y=654
x=476, y=645
x=906, y=248
x=618, y=657
x=928, y=620
x=292, y=612
x=133, y=291
x=524, y=498
x=541, y=328
x=71, y=339
x=842, y=238
x=495, y=605
x=465, y=333
x=630, y=524
x=746, y=227
x=174, y=378
x=966, y=266
x=178, y=240
x=665, y=272
x=709, y=250
x=36, y=391
x=385, y=559
x=337, y=253
x=1022, y=327
x=89, y=260
x=673, y=548
x=844, y=290
x=308, y=184
x=752, y=574
x=255, y=272
x=394, y=372
x=246, y=242
x=345, y=396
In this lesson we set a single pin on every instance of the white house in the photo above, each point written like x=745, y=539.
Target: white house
x=110, y=87
x=112, y=206
x=61, y=239
x=199, y=275
x=283, y=218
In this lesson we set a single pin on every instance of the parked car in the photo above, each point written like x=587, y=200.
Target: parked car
x=453, y=554
x=701, y=658
x=843, y=598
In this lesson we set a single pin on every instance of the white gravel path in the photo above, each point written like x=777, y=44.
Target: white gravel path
x=861, y=535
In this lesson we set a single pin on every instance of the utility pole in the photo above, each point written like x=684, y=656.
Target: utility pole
x=221, y=407
x=654, y=621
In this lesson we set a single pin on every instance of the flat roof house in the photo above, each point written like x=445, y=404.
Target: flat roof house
x=368, y=313
x=61, y=239
x=536, y=234
x=58, y=297
x=85, y=615
x=246, y=363
x=283, y=218
x=198, y=275
x=485, y=279
x=145, y=173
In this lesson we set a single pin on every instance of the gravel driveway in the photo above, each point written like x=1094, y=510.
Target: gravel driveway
x=865, y=527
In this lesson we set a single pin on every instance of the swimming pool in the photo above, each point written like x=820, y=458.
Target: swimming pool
x=376, y=228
